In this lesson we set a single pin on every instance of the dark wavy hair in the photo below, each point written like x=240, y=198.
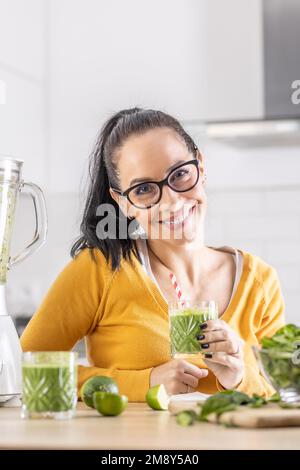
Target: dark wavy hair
x=103, y=173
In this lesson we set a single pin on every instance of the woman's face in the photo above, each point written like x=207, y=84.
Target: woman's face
x=150, y=156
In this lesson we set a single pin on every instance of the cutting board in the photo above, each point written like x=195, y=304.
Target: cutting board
x=268, y=416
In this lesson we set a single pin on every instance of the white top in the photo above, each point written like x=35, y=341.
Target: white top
x=237, y=255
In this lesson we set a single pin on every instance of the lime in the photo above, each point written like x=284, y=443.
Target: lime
x=157, y=397
x=109, y=404
x=97, y=384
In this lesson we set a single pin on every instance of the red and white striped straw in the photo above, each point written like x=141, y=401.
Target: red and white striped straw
x=177, y=288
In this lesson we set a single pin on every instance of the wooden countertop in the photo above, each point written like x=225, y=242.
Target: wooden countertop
x=138, y=427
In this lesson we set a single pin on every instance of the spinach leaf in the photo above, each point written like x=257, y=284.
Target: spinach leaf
x=228, y=400
x=280, y=357
x=186, y=418
x=285, y=339
x=219, y=403
x=257, y=401
x=274, y=398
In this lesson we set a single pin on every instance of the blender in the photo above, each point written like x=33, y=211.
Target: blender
x=11, y=184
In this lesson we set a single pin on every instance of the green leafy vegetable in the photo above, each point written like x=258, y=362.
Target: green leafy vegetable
x=289, y=405
x=274, y=398
x=280, y=357
x=286, y=339
x=257, y=401
x=221, y=402
x=186, y=418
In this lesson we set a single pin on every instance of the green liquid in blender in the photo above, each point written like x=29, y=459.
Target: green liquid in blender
x=184, y=328
x=49, y=387
x=7, y=210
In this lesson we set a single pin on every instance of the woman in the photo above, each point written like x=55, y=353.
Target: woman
x=115, y=290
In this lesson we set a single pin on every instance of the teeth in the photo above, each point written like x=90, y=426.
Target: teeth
x=176, y=221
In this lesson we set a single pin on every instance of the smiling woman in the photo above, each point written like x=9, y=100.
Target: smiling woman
x=147, y=185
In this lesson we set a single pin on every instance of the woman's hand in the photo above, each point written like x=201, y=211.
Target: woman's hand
x=223, y=350
x=178, y=376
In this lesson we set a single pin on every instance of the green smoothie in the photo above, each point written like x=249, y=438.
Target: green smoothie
x=8, y=196
x=49, y=387
x=185, y=327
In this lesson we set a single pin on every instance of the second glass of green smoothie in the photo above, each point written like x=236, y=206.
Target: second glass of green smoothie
x=49, y=384
x=185, y=318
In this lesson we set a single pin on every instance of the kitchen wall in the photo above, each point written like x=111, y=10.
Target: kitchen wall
x=105, y=56
x=91, y=58
x=264, y=222
x=254, y=204
x=23, y=68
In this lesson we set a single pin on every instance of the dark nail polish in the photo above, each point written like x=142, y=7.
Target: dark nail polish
x=205, y=346
x=203, y=326
x=200, y=337
x=208, y=355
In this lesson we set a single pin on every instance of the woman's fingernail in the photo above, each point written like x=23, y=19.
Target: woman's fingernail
x=203, y=326
x=200, y=337
x=205, y=346
x=208, y=355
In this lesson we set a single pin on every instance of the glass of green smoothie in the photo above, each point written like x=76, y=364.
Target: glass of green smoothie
x=185, y=318
x=49, y=384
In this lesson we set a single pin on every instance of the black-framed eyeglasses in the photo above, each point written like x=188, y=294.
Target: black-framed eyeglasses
x=181, y=179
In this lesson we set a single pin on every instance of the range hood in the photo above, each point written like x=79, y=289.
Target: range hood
x=277, y=119
x=261, y=132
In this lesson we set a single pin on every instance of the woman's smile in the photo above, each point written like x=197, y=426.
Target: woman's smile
x=180, y=219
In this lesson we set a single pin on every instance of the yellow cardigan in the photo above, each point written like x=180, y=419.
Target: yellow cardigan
x=124, y=319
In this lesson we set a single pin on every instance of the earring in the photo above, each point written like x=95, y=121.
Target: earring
x=138, y=232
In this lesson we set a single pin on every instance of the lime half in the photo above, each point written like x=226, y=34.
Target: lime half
x=109, y=404
x=157, y=397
